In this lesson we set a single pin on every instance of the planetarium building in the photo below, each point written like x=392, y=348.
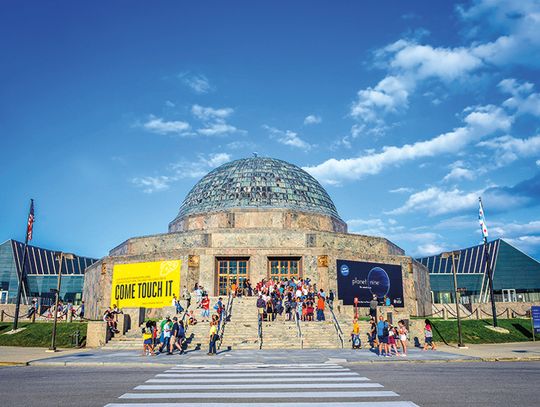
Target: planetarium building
x=257, y=218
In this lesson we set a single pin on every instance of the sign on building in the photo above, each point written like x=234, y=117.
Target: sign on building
x=363, y=280
x=149, y=285
x=535, y=315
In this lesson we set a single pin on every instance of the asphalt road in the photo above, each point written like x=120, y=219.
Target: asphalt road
x=426, y=384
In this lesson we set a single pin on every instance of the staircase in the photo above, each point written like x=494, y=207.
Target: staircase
x=241, y=332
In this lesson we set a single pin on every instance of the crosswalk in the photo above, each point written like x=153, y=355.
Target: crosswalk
x=291, y=385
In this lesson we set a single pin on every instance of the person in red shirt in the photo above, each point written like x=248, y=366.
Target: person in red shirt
x=205, y=312
x=320, y=308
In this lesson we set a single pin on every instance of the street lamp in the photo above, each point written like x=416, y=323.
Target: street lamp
x=457, y=295
x=60, y=256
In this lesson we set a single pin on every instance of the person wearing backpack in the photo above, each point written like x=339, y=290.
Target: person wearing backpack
x=382, y=336
x=355, y=335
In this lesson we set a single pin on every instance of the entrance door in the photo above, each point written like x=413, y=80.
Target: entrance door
x=509, y=295
x=229, y=271
x=4, y=295
x=283, y=268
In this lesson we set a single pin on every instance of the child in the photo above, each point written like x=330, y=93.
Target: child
x=205, y=305
x=428, y=332
x=147, y=343
x=355, y=335
x=392, y=339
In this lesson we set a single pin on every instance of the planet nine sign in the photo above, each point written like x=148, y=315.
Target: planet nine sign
x=149, y=285
x=362, y=280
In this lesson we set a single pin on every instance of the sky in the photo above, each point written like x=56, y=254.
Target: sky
x=406, y=112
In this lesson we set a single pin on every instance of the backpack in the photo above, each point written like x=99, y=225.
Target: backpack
x=385, y=331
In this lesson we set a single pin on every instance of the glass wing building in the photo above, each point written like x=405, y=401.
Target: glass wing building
x=41, y=274
x=516, y=276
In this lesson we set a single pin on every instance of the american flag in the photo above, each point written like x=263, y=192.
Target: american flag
x=482, y=219
x=30, y=226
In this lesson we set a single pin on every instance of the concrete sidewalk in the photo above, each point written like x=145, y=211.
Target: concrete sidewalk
x=16, y=355
x=515, y=351
x=520, y=351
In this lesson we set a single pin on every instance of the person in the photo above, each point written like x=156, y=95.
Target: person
x=331, y=299
x=261, y=305
x=198, y=295
x=387, y=301
x=176, y=304
x=373, y=307
x=233, y=289
x=372, y=335
x=355, y=335
x=219, y=308
x=320, y=306
x=148, y=347
x=249, y=288
x=108, y=317
x=205, y=312
x=428, y=333
x=191, y=318
x=166, y=332
x=176, y=340
x=212, y=337
x=392, y=340
x=32, y=310
x=382, y=335
x=402, y=334
x=80, y=311
x=187, y=297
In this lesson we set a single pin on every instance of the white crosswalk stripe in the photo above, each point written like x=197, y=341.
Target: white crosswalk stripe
x=298, y=385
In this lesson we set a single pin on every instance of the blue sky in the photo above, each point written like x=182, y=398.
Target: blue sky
x=405, y=111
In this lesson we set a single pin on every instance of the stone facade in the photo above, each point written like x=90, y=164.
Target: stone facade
x=198, y=250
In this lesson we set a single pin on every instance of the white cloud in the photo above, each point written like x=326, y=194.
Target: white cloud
x=509, y=149
x=288, y=138
x=538, y=162
x=429, y=249
x=209, y=113
x=401, y=190
x=198, y=83
x=408, y=63
x=480, y=122
x=525, y=243
x=152, y=184
x=181, y=170
x=168, y=103
x=312, y=119
x=507, y=229
x=523, y=100
x=217, y=129
x=160, y=126
x=458, y=172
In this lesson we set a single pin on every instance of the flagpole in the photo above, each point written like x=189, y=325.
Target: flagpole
x=488, y=265
x=21, y=275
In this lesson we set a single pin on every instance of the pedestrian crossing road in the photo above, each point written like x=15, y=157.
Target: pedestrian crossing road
x=291, y=385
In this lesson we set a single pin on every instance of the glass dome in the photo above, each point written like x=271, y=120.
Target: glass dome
x=258, y=183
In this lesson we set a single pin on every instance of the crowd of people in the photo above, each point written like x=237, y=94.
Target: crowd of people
x=389, y=340
x=170, y=335
x=291, y=298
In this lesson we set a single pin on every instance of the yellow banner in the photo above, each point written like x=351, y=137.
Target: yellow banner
x=149, y=285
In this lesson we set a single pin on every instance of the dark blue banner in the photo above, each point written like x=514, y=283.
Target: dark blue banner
x=535, y=314
x=362, y=280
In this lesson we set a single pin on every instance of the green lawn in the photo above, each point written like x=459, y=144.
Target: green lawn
x=39, y=334
x=475, y=331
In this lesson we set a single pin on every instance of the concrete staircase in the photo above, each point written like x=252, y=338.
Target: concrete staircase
x=241, y=332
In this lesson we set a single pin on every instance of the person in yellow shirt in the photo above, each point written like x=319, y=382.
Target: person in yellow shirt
x=148, y=347
x=355, y=335
x=212, y=336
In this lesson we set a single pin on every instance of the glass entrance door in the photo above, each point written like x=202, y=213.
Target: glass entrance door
x=231, y=271
x=283, y=268
x=4, y=295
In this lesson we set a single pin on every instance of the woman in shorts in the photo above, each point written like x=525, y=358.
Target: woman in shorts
x=402, y=332
x=392, y=340
x=148, y=346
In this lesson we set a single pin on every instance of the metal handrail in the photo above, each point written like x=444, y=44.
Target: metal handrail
x=337, y=326
x=299, y=329
x=260, y=329
x=223, y=320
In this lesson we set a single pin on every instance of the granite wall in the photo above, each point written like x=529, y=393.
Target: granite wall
x=318, y=251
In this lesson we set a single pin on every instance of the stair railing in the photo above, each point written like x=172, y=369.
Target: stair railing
x=260, y=328
x=337, y=327
x=298, y=329
x=225, y=316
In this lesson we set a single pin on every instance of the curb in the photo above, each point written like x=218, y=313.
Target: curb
x=359, y=362
x=13, y=363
